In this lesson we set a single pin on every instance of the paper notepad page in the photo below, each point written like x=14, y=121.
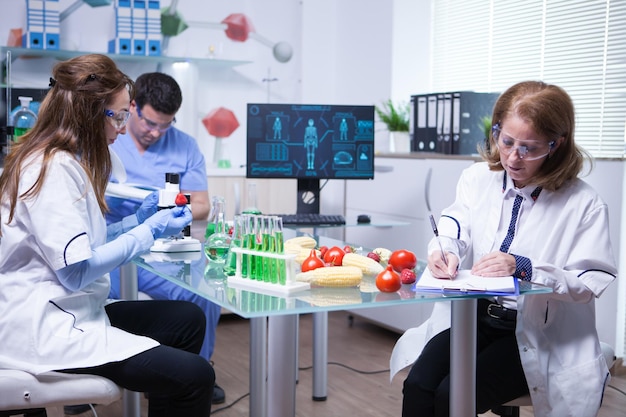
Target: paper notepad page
x=466, y=282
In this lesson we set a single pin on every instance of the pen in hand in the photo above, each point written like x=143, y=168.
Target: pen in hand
x=436, y=232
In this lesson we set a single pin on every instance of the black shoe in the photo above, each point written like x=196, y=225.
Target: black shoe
x=218, y=395
x=73, y=410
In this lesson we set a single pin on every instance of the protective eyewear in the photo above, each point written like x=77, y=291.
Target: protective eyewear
x=150, y=125
x=118, y=120
x=506, y=146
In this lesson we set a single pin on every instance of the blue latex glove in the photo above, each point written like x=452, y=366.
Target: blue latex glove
x=148, y=207
x=169, y=222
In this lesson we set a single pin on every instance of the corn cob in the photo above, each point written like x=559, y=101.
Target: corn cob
x=304, y=241
x=367, y=265
x=332, y=276
x=304, y=253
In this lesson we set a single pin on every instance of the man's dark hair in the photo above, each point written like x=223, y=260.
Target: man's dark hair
x=160, y=91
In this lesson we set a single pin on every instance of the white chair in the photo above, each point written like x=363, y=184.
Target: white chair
x=511, y=409
x=52, y=390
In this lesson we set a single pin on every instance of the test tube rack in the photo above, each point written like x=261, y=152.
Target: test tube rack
x=291, y=285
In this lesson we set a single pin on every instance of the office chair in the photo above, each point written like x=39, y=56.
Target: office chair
x=46, y=394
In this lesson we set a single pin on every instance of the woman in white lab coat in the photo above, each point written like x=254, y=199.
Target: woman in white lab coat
x=524, y=212
x=55, y=259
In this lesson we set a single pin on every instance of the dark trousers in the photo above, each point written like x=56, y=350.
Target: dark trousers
x=499, y=374
x=179, y=381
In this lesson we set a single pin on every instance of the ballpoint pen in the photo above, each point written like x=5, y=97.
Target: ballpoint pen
x=436, y=232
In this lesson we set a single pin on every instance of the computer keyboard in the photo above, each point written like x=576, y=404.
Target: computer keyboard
x=312, y=219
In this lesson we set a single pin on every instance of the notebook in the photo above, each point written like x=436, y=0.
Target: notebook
x=466, y=282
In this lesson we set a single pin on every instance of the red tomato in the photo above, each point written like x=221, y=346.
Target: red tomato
x=348, y=249
x=323, y=250
x=334, y=256
x=388, y=280
x=402, y=259
x=312, y=262
x=180, y=200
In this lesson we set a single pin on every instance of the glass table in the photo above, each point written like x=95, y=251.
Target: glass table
x=274, y=326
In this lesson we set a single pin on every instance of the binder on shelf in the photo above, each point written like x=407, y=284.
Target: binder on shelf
x=153, y=28
x=444, y=119
x=412, y=109
x=468, y=109
x=122, y=40
x=139, y=27
x=52, y=24
x=34, y=35
x=425, y=123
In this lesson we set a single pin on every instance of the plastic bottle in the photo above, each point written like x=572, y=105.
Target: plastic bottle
x=24, y=119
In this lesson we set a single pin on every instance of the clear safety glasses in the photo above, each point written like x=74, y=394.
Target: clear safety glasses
x=150, y=125
x=118, y=120
x=530, y=151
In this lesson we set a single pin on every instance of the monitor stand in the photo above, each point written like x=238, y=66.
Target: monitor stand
x=308, y=196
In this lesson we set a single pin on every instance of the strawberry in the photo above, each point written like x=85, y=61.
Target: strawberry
x=407, y=276
x=180, y=200
x=374, y=256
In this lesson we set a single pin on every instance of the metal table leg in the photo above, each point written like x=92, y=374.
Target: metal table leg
x=131, y=400
x=281, y=363
x=258, y=367
x=463, y=358
x=320, y=355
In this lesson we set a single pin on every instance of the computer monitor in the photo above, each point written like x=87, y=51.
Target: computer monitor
x=310, y=142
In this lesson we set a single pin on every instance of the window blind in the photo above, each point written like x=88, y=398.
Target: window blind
x=580, y=45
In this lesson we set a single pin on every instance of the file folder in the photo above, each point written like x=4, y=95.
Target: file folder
x=52, y=24
x=122, y=39
x=444, y=120
x=468, y=109
x=425, y=123
x=153, y=28
x=34, y=36
x=139, y=27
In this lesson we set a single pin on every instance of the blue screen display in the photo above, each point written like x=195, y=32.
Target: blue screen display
x=310, y=141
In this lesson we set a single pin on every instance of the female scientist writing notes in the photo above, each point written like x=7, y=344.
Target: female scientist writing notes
x=524, y=212
x=55, y=259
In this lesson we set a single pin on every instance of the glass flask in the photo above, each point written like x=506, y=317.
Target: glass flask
x=217, y=246
x=24, y=119
x=218, y=205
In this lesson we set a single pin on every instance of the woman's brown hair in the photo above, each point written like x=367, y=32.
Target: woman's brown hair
x=549, y=111
x=71, y=119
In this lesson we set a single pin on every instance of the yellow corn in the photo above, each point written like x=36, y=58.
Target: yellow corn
x=304, y=253
x=367, y=265
x=304, y=241
x=332, y=276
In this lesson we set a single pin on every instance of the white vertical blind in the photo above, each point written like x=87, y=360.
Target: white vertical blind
x=580, y=45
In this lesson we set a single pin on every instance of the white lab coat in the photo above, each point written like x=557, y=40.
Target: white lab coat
x=44, y=326
x=566, y=236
